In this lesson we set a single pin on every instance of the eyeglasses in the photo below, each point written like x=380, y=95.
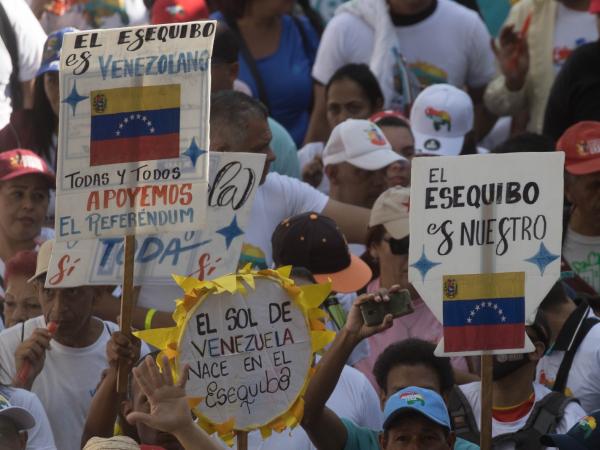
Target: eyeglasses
x=398, y=246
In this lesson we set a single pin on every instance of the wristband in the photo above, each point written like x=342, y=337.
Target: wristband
x=148, y=319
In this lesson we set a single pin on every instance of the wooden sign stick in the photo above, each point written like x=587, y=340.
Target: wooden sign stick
x=486, y=402
x=126, y=307
x=242, y=440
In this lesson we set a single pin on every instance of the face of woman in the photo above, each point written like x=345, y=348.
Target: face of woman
x=387, y=260
x=51, y=89
x=347, y=100
x=21, y=301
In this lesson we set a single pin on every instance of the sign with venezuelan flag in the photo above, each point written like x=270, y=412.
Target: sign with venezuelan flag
x=484, y=311
x=133, y=131
x=485, y=245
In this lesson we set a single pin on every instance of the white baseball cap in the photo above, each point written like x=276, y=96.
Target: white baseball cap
x=392, y=209
x=440, y=118
x=22, y=418
x=360, y=143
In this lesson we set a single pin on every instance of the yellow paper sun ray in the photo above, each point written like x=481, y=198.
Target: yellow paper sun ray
x=308, y=298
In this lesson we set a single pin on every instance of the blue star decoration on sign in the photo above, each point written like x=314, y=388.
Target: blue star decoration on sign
x=424, y=265
x=194, y=152
x=74, y=98
x=542, y=258
x=230, y=232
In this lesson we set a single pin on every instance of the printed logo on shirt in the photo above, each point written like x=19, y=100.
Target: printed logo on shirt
x=375, y=136
x=413, y=397
x=561, y=54
x=588, y=424
x=253, y=255
x=589, y=268
x=439, y=118
x=587, y=148
x=428, y=74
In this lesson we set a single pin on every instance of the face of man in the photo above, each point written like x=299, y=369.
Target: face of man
x=10, y=438
x=356, y=186
x=257, y=140
x=21, y=301
x=414, y=431
x=24, y=203
x=583, y=191
x=70, y=308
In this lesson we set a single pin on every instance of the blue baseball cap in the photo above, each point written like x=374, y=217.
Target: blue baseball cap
x=424, y=401
x=51, y=56
x=584, y=435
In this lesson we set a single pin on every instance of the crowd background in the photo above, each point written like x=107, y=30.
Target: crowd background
x=340, y=96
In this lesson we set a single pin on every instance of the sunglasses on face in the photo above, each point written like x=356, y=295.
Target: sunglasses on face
x=398, y=246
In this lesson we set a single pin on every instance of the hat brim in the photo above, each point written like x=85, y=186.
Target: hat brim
x=410, y=409
x=398, y=229
x=376, y=159
x=562, y=441
x=20, y=416
x=583, y=167
x=351, y=279
x=29, y=171
x=53, y=66
x=447, y=146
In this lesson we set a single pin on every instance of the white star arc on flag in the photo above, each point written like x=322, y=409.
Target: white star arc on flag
x=484, y=305
x=132, y=118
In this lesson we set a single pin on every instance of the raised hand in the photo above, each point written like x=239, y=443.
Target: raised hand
x=512, y=54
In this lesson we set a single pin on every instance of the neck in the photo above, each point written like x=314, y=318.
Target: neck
x=255, y=17
x=9, y=248
x=411, y=8
x=91, y=331
x=577, y=5
x=557, y=316
x=514, y=388
x=582, y=225
x=389, y=275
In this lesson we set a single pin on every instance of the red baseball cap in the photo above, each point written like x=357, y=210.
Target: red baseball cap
x=581, y=144
x=173, y=11
x=594, y=6
x=20, y=162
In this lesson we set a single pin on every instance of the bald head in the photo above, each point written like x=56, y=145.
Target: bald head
x=230, y=115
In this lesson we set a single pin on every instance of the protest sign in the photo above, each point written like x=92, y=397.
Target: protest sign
x=133, y=134
x=203, y=253
x=249, y=339
x=485, y=245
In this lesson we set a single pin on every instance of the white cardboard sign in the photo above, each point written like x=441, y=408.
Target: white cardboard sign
x=485, y=229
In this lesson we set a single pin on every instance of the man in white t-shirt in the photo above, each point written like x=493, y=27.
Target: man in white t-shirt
x=60, y=355
x=581, y=246
x=239, y=123
x=30, y=39
x=515, y=396
x=567, y=323
x=442, y=42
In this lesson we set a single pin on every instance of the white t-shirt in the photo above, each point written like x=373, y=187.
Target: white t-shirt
x=572, y=29
x=472, y=391
x=133, y=12
x=353, y=398
x=581, y=252
x=452, y=46
x=584, y=377
x=30, y=46
x=40, y=436
x=67, y=382
x=277, y=199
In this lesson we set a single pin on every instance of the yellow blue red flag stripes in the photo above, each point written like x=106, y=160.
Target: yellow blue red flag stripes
x=484, y=311
x=134, y=124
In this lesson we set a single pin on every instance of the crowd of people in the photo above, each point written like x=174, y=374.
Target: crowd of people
x=341, y=96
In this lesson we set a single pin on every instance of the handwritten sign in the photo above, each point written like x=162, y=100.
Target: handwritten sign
x=249, y=339
x=203, y=253
x=485, y=244
x=132, y=154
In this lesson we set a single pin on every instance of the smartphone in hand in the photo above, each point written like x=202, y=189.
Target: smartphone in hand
x=374, y=312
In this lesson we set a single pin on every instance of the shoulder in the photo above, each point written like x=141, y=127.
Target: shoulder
x=278, y=132
x=461, y=444
x=349, y=23
x=454, y=10
x=359, y=437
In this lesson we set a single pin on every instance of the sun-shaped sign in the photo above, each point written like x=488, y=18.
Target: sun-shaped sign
x=249, y=339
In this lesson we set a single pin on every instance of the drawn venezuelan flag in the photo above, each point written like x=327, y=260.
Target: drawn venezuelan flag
x=134, y=124
x=484, y=311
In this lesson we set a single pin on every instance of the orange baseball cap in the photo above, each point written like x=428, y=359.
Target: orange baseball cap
x=581, y=144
